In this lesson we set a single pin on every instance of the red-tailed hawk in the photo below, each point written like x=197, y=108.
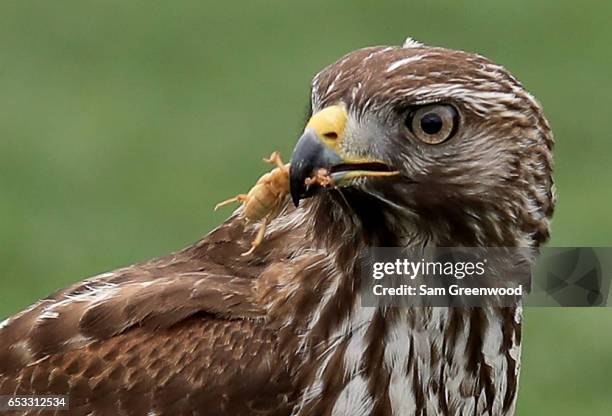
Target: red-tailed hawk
x=207, y=331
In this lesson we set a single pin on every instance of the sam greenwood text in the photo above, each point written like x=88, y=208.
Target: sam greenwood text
x=452, y=290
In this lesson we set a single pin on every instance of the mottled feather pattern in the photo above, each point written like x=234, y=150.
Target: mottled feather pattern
x=207, y=331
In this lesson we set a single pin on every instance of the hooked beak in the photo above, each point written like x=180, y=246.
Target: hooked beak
x=320, y=148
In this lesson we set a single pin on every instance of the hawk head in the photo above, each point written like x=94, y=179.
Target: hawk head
x=426, y=144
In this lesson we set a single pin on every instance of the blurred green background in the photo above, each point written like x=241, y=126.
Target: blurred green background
x=123, y=122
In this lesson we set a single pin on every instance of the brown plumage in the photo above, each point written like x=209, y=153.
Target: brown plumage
x=207, y=331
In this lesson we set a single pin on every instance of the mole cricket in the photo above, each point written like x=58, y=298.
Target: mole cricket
x=265, y=199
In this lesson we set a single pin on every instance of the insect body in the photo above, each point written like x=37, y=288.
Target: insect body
x=265, y=199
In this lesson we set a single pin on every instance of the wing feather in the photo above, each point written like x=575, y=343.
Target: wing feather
x=186, y=327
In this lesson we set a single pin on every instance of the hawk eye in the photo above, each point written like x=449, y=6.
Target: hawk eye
x=434, y=123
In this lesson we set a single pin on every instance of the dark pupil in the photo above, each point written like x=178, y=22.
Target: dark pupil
x=431, y=123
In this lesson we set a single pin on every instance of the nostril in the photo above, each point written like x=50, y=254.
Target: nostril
x=332, y=135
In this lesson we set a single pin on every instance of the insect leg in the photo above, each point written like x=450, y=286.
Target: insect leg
x=237, y=198
x=275, y=159
x=259, y=237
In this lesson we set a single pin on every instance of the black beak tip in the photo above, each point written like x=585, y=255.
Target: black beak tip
x=296, y=183
x=296, y=200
